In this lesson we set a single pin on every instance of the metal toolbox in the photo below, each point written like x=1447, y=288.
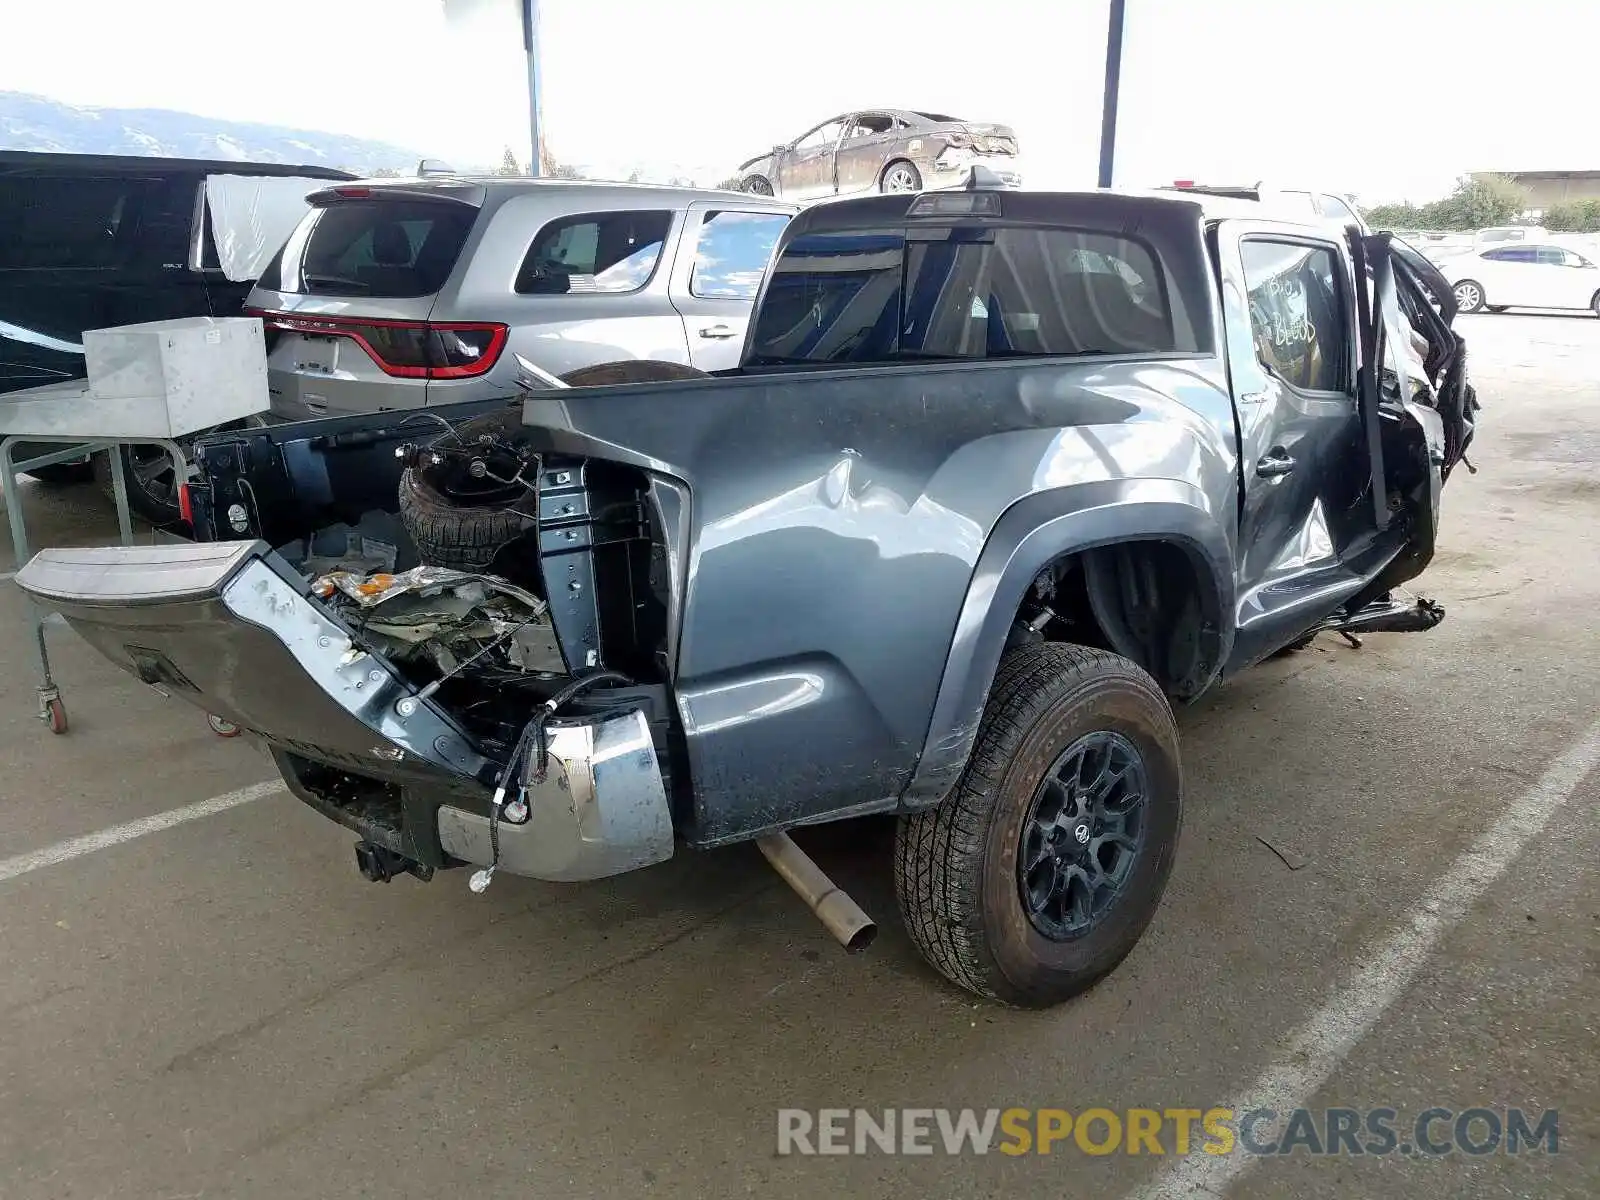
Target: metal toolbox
x=166, y=379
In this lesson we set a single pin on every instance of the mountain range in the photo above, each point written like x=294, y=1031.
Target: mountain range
x=41, y=124
x=38, y=123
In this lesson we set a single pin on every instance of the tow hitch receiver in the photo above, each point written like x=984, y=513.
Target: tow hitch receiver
x=379, y=864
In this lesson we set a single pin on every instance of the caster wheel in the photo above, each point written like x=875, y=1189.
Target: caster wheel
x=222, y=728
x=55, y=715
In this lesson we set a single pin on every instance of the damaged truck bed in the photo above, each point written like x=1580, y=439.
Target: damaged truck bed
x=1003, y=476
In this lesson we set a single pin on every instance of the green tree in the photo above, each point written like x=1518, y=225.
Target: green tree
x=1394, y=216
x=1575, y=216
x=386, y=173
x=508, y=164
x=1476, y=202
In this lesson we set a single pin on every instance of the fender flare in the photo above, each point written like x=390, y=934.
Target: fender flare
x=1030, y=534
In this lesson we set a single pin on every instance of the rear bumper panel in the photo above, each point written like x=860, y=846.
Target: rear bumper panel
x=233, y=629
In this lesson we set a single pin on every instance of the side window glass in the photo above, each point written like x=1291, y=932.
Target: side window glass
x=1297, y=313
x=821, y=138
x=732, y=254
x=69, y=223
x=1550, y=256
x=870, y=125
x=599, y=252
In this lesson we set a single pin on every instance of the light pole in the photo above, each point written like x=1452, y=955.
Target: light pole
x=530, y=43
x=1108, y=107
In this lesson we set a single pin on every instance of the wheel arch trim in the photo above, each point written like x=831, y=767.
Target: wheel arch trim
x=1031, y=534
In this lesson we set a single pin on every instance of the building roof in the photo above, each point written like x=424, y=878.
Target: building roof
x=1544, y=175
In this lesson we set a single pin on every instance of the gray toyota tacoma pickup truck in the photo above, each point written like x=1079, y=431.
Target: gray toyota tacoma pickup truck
x=1003, y=476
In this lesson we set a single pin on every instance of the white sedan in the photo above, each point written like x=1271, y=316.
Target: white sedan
x=1523, y=276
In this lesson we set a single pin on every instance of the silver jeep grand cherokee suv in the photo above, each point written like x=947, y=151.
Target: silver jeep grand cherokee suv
x=403, y=293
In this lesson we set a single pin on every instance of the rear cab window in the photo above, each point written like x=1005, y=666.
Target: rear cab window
x=595, y=253
x=972, y=291
x=383, y=248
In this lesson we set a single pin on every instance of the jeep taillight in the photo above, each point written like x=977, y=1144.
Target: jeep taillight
x=406, y=349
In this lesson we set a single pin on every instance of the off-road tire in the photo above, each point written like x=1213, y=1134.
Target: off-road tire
x=955, y=864
x=448, y=533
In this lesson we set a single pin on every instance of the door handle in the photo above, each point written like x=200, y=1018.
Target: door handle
x=717, y=331
x=1273, y=463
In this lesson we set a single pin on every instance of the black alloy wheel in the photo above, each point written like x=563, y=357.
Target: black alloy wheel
x=1083, y=835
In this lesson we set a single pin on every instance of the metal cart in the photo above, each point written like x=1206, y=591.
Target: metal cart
x=151, y=384
x=74, y=446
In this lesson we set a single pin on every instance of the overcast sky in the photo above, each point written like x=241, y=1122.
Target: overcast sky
x=1386, y=98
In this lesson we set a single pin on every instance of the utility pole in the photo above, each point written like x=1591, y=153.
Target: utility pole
x=530, y=42
x=1108, y=107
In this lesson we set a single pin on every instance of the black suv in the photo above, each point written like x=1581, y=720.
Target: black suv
x=92, y=241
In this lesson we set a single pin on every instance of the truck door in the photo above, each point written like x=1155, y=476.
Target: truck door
x=1290, y=317
x=723, y=257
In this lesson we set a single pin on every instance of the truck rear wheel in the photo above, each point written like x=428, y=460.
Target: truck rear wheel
x=1037, y=875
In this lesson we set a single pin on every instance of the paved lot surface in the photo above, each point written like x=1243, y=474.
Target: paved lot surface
x=224, y=1008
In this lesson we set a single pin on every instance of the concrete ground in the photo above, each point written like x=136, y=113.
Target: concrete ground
x=224, y=1008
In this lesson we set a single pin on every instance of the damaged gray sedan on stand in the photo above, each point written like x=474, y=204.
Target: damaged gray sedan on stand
x=882, y=150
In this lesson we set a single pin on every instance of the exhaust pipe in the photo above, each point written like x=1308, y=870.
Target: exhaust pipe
x=844, y=919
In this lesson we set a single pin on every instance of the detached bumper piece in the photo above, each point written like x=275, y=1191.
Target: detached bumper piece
x=1387, y=615
x=234, y=630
